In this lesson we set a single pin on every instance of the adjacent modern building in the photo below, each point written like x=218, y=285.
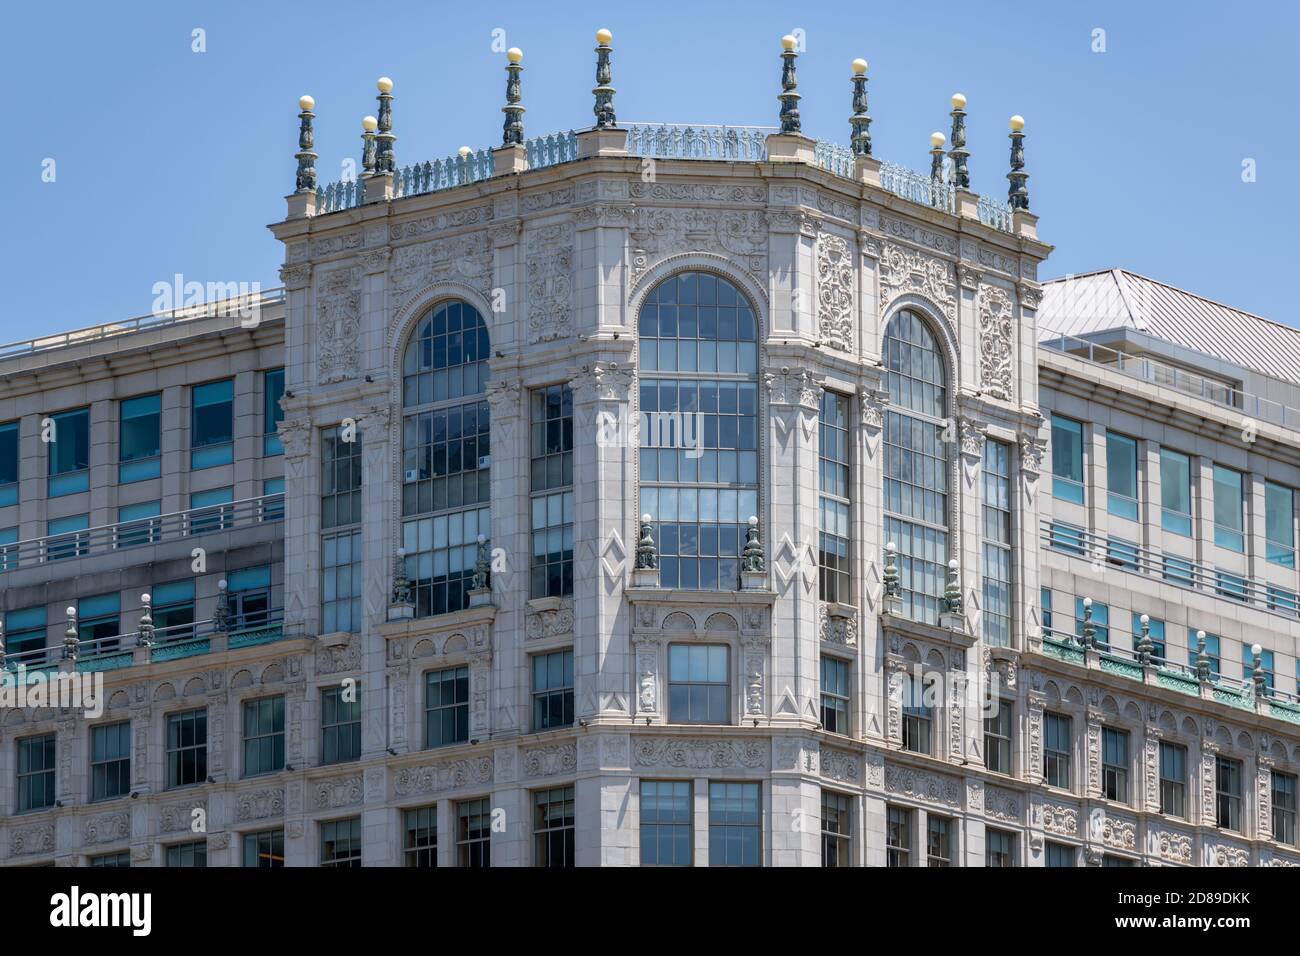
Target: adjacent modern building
x=646, y=495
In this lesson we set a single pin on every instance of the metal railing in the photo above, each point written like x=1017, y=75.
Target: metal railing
x=698, y=141
x=141, y=532
x=95, y=333
x=543, y=151
x=994, y=212
x=913, y=186
x=834, y=158
x=1152, y=370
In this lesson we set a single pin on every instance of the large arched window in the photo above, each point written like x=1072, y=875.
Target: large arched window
x=916, y=462
x=699, y=427
x=445, y=455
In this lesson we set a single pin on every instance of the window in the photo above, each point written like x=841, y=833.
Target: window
x=1179, y=571
x=1227, y=790
x=8, y=463
x=837, y=828
x=272, y=413
x=173, y=610
x=446, y=706
x=835, y=695
x=98, y=624
x=263, y=735
x=110, y=760
x=1282, y=599
x=938, y=841
x=1173, y=779
x=1155, y=630
x=997, y=737
x=187, y=748
x=421, y=847
x=340, y=479
x=1056, y=752
x=835, y=578
x=36, y=772
x=916, y=463
x=1067, y=459
x=898, y=837
x=667, y=833
x=1114, y=764
x=8, y=555
x=340, y=724
x=552, y=690
x=699, y=437
x=69, y=451
x=996, y=476
x=1108, y=860
x=1229, y=585
x=66, y=538
x=188, y=854
x=1045, y=607
x=112, y=859
x=1211, y=651
x=1284, y=807
x=1229, y=509
x=917, y=714
x=1123, y=554
x=341, y=582
x=24, y=634
x=139, y=438
x=1058, y=854
x=698, y=684
x=340, y=843
x=446, y=455
x=1265, y=663
x=273, y=509
x=1279, y=524
x=1067, y=538
x=553, y=827
x=551, y=484
x=137, y=524
x=212, y=424
x=264, y=848
x=1121, y=476
x=474, y=833
x=1176, y=492
x=999, y=848
x=248, y=592
x=208, y=511
x=1100, y=621
x=735, y=825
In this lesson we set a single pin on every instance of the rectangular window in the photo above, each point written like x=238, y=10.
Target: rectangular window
x=98, y=622
x=69, y=451
x=139, y=438
x=8, y=463
x=1229, y=585
x=474, y=833
x=264, y=848
x=1229, y=509
x=1227, y=789
x=1100, y=621
x=173, y=610
x=735, y=824
x=1155, y=630
x=835, y=695
x=340, y=843
x=340, y=724
x=24, y=634
x=66, y=538
x=187, y=748
x=999, y=848
x=552, y=690
x=1058, y=745
x=699, y=684
x=341, y=582
x=137, y=524
x=340, y=479
x=1173, y=779
x=1284, y=807
x=1114, y=764
x=1045, y=607
x=110, y=760
x=1211, y=651
x=667, y=833
x=554, y=827
x=210, y=510
x=112, y=859
x=421, y=846
x=1123, y=554
x=898, y=837
x=272, y=413
x=212, y=424
x=1265, y=663
x=1067, y=459
x=263, y=735
x=1279, y=524
x=918, y=716
x=273, y=503
x=938, y=841
x=1059, y=854
x=1175, y=492
x=1121, y=476
x=1179, y=571
x=188, y=855
x=837, y=828
x=551, y=483
x=1067, y=538
x=8, y=555
x=833, y=553
x=249, y=595
x=36, y=772
x=996, y=506
x=440, y=556
x=997, y=737
x=446, y=706
x=1282, y=599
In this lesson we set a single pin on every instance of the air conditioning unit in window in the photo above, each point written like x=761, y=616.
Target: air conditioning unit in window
x=413, y=474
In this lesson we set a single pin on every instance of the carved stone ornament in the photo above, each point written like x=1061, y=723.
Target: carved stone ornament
x=603, y=381
x=463, y=259
x=921, y=785
x=338, y=325
x=549, y=270
x=794, y=386
x=1031, y=454
x=972, y=437
x=835, y=292
x=904, y=270
x=449, y=775
x=837, y=628
x=699, y=754
x=997, y=341
x=552, y=622
x=662, y=232
x=873, y=404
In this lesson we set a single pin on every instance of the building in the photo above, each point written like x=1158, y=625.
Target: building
x=657, y=495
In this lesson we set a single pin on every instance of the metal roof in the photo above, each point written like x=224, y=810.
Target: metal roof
x=1116, y=298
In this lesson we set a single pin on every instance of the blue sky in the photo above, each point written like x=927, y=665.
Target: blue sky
x=173, y=161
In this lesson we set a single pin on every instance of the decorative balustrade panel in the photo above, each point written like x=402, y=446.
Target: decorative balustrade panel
x=670, y=141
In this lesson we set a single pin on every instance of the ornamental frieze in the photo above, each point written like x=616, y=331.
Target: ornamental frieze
x=921, y=785
x=841, y=766
x=906, y=271
x=1002, y=805
x=661, y=232
x=466, y=259
x=997, y=341
x=338, y=325
x=333, y=794
x=549, y=283
x=697, y=192
x=454, y=219
x=700, y=754
x=1173, y=846
x=260, y=804
x=107, y=828
x=38, y=838
x=448, y=775
x=553, y=622
x=550, y=760
x=835, y=292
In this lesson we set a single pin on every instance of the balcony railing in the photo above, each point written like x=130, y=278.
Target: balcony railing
x=698, y=141
x=908, y=184
x=140, y=532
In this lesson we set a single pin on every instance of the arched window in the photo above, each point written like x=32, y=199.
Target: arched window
x=699, y=427
x=916, y=462
x=445, y=455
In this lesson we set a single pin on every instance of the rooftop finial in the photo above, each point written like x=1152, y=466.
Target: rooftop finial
x=1257, y=672
x=1145, y=647
x=1088, y=634
x=958, y=151
x=368, y=126
x=789, y=98
x=146, y=633
x=385, y=162
x=1018, y=194
x=603, y=92
x=1202, y=658
x=860, y=121
x=647, y=558
x=937, y=140
x=71, y=637
x=306, y=179
x=513, y=130
x=751, y=558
